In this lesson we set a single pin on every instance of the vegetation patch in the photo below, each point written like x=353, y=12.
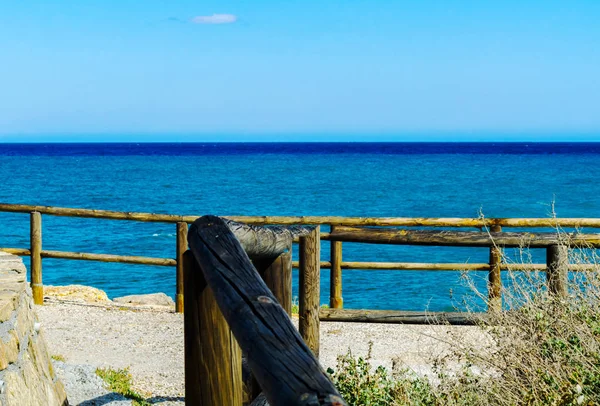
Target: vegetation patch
x=119, y=381
x=544, y=349
x=58, y=357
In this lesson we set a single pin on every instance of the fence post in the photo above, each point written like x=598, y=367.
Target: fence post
x=35, y=237
x=557, y=269
x=182, y=230
x=336, y=301
x=277, y=274
x=495, y=275
x=310, y=281
x=213, y=359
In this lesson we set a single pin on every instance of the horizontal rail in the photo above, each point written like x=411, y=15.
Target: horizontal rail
x=124, y=259
x=461, y=238
x=399, y=317
x=310, y=220
x=86, y=256
x=458, y=266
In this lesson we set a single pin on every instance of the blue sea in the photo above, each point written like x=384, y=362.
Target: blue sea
x=342, y=179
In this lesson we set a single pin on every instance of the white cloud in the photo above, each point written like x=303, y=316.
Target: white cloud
x=215, y=19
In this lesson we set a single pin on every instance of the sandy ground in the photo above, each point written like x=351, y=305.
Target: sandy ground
x=150, y=343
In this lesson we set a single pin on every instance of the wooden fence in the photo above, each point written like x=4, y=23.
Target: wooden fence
x=233, y=311
x=343, y=229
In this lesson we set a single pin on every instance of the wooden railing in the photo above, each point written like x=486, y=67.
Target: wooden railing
x=341, y=231
x=231, y=310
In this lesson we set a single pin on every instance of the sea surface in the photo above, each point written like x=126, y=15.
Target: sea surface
x=342, y=179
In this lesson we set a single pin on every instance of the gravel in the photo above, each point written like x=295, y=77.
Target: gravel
x=150, y=343
x=85, y=388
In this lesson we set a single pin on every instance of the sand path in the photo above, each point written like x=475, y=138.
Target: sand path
x=150, y=343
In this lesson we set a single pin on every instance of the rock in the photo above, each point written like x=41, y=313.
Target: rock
x=78, y=293
x=153, y=299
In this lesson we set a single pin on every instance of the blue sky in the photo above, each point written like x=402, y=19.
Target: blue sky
x=299, y=70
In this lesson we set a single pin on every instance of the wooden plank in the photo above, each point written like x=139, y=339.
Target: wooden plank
x=125, y=259
x=282, y=363
x=459, y=238
x=425, y=266
x=399, y=317
x=495, y=275
x=309, y=287
x=557, y=261
x=336, y=300
x=277, y=274
x=195, y=284
x=213, y=359
x=35, y=238
x=181, y=248
x=311, y=220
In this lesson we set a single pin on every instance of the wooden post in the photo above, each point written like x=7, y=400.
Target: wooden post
x=182, y=230
x=310, y=281
x=557, y=263
x=213, y=359
x=495, y=275
x=37, y=288
x=277, y=274
x=335, y=280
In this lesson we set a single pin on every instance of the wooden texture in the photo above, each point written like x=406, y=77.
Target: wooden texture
x=265, y=242
x=35, y=237
x=17, y=251
x=277, y=274
x=125, y=259
x=336, y=300
x=557, y=261
x=310, y=289
x=459, y=238
x=312, y=220
x=495, y=275
x=181, y=248
x=213, y=359
x=284, y=366
x=399, y=317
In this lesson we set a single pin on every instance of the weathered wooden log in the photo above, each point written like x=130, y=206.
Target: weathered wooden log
x=495, y=275
x=335, y=279
x=399, y=317
x=213, y=359
x=181, y=248
x=460, y=238
x=557, y=262
x=310, y=289
x=265, y=242
x=284, y=366
x=35, y=237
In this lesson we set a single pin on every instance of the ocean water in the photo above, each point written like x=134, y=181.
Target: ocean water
x=354, y=179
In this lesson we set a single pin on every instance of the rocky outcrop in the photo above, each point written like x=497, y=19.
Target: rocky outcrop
x=152, y=299
x=77, y=293
x=26, y=373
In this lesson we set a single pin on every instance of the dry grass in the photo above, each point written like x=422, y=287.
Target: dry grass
x=543, y=350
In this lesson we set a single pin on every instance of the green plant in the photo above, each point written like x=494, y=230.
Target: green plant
x=120, y=381
x=58, y=357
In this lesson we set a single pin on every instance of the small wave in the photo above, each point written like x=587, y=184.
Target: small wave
x=163, y=235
